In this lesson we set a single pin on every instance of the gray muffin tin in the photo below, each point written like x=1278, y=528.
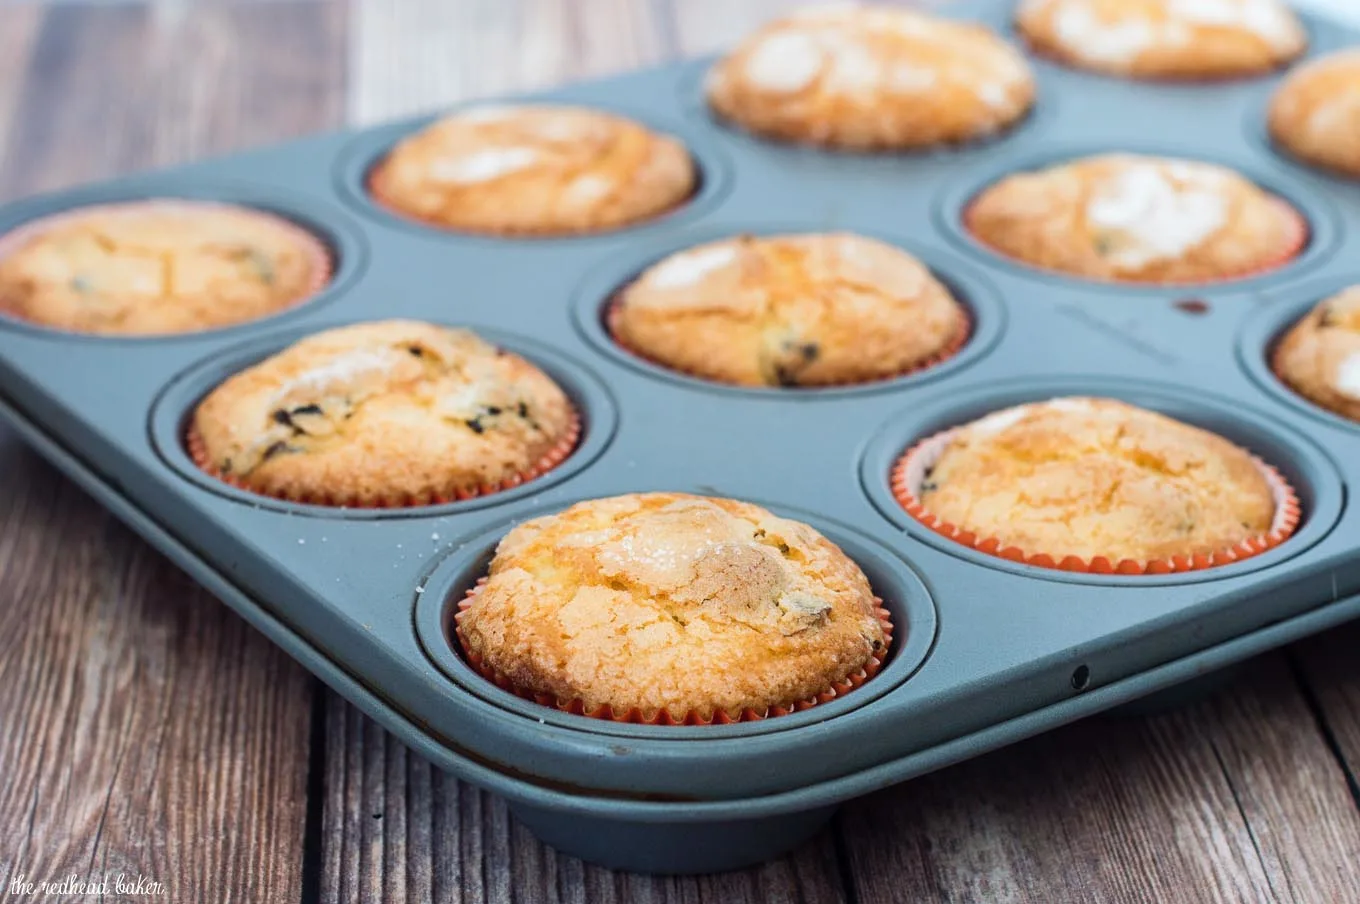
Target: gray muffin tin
x=987, y=652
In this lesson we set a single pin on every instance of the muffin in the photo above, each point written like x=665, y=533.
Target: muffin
x=1131, y=218
x=1319, y=358
x=384, y=414
x=1315, y=114
x=871, y=78
x=156, y=267
x=1095, y=484
x=1164, y=39
x=792, y=310
x=534, y=171
x=666, y=607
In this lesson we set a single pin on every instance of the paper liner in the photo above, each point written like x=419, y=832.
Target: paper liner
x=962, y=334
x=193, y=443
x=1298, y=232
x=662, y=716
x=912, y=467
x=318, y=254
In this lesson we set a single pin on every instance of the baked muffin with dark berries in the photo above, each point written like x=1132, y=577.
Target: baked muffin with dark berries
x=790, y=310
x=384, y=414
x=157, y=267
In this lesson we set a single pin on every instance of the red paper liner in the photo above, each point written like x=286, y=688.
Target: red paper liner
x=318, y=254
x=193, y=442
x=1297, y=229
x=962, y=334
x=662, y=716
x=911, y=469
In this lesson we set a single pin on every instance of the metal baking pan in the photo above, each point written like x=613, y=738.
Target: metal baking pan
x=987, y=651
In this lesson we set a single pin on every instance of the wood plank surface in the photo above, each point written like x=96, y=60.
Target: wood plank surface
x=1330, y=666
x=1233, y=799
x=397, y=829
x=144, y=728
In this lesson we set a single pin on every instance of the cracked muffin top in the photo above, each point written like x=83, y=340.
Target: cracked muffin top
x=1098, y=477
x=1134, y=218
x=794, y=310
x=390, y=413
x=1319, y=357
x=1315, y=114
x=156, y=267
x=534, y=170
x=871, y=78
x=1176, y=39
x=667, y=601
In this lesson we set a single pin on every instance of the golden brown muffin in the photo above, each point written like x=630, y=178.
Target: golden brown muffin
x=1315, y=114
x=534, y=170
x=158, y=266
x=1164, y=39
x=669, y=602
x=1098, y=478
x=1132, y=218
x=794, y=310
x=384, y=414
x=871, y=78
x=1319, y=358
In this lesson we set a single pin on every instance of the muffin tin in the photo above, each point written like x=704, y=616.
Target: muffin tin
x=987, y=651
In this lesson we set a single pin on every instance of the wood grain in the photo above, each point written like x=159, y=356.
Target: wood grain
x=419, y=56
x=1330, y=667
x=1234, y=799
x=397, y=829
x=144, y=729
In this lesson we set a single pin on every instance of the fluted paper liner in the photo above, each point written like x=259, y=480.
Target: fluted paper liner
x=662, y=716
x=319, y=256
x=193, y=442
x=962, y=334
x=911, y=469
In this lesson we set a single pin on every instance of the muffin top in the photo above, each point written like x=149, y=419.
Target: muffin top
x=1315, y=114
x=871, y=78
x=1132, y=218
x=390, y=413
x=158, y=266
x=1177, y=39
x=792, y=310
x=1320, y=356
x=534, y=170
x=1098, y=478
x=666, y=601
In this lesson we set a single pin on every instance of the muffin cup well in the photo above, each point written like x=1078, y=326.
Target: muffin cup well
x=911, y=469
x=1296, y=241
x=317, y=252
x=662, y=716
x=559, y=453
x=952, y=347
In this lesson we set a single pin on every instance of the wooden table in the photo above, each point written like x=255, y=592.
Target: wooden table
x=144, y=729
